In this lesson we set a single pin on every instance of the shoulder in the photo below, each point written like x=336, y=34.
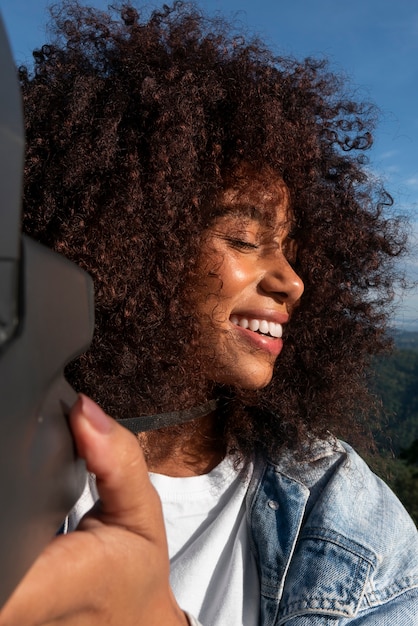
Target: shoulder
x=353, y=529
x=345, y=495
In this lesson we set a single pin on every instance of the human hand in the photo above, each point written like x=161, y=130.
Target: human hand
x=114, y=569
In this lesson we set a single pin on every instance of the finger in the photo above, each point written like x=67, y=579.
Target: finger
x=49, y=591
x=113, y=454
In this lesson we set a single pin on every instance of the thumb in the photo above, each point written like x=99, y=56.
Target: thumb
x=118, y=570
x=113, y=454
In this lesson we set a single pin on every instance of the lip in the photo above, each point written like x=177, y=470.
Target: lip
x=271, y=345
x=270, y=315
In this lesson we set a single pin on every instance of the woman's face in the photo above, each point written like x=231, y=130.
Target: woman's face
x=248, y=288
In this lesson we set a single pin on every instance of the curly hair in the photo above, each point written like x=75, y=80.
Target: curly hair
x=132, y=124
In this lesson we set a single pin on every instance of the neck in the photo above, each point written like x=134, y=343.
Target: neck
x=191, y=449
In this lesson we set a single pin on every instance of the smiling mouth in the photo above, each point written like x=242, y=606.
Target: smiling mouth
x=259, y=326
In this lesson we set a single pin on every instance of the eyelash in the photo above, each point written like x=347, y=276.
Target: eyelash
x=241, y=244
x=288, y=249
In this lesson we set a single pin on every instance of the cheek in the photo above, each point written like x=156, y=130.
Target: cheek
x=236, y=279
x=223, y=278
x=214, y=294
x=232, y=274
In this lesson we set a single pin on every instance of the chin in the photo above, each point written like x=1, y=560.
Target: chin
x=251, y=381
x=254, y=385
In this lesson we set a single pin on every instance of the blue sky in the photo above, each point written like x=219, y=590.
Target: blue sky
x=373, y=42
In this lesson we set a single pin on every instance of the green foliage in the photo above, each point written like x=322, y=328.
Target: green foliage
x=410, y=455
x=395, y=382
x=406, y=340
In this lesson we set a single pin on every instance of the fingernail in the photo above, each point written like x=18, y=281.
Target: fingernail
x=94, y=415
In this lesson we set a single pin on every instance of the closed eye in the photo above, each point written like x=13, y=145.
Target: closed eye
x=241, y=244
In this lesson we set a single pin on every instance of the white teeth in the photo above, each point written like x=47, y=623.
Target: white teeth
x=254, y=325
x=265, y=327
x=275, y=330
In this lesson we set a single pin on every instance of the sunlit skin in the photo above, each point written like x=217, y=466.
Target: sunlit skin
x=246, y=272
x=248, y=275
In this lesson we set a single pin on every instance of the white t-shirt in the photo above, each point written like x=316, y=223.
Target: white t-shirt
x=213, y=572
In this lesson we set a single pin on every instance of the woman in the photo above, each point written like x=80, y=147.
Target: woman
x=206, y=185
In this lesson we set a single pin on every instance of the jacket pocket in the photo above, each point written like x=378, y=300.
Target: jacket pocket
x=327, y=577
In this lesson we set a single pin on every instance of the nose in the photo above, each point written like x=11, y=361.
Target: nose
x=281, y=281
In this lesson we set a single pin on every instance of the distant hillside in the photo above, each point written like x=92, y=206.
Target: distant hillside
x=406, y=340
x=396, y=383
x=396, y=433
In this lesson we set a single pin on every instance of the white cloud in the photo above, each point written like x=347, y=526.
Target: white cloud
x=392, y=169
x=389, y=154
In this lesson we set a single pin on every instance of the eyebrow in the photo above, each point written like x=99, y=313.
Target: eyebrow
x=245, y=210
x=265, y=217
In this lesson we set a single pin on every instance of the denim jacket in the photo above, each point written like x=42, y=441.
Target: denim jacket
x=334, y=545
